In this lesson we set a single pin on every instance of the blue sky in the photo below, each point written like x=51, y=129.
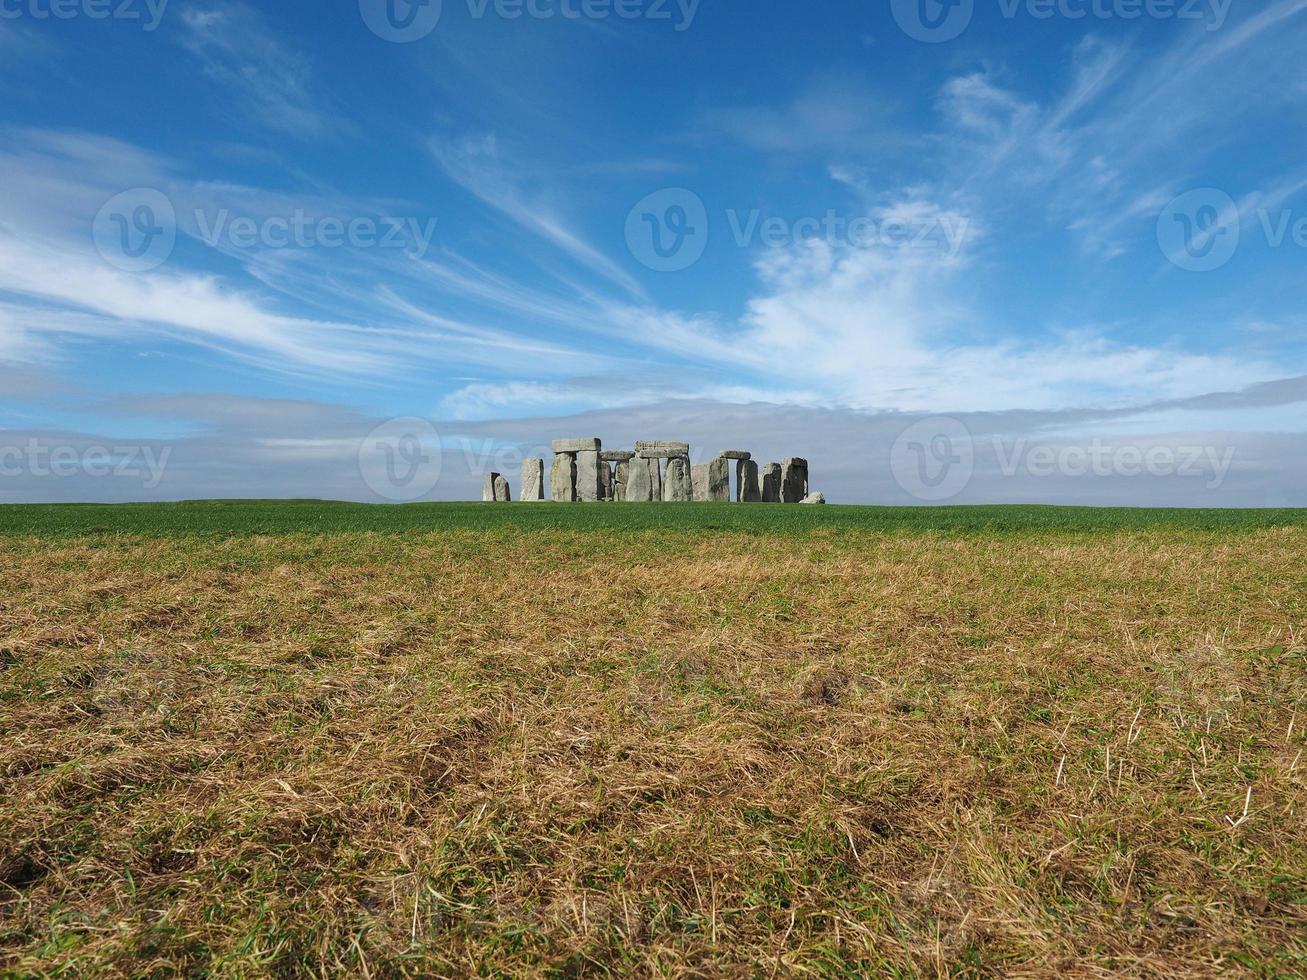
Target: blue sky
x=1065, y=231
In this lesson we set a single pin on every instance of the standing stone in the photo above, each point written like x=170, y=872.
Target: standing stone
x=699, y=481
x=719, y=480
x=771, y=483
x=605, y=480
x=620, y=478
x=533, y=480
x=746, y=482
x=677, y=488
x=488, y=487
x=562, y=481
x=643, y=483
x=502, y=493
x=587, y=476
x=794, y=479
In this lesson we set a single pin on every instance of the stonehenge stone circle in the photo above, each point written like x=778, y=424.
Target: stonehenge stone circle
x=533, y=480
x=655, y=470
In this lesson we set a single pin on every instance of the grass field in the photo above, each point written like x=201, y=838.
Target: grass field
x=457, y=739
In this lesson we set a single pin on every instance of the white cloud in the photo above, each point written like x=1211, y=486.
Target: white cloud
x=239, y=52
x=474, y=164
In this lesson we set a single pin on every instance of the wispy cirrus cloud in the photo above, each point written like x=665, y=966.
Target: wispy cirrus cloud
x=275, y=84
x=475, y=165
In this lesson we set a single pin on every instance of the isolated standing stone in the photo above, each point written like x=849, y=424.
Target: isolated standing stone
x=502, y=493
x=771, y=483
x=746, y=482
x=562, y=480
x=794, y=479
x=587, y=476
x=719, y=479
x=533, y=480
x=699, y=481
x=677, y=487
x=488, y=487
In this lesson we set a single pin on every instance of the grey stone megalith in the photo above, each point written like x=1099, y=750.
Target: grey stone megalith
x=771, y=483
x=488, y=487
x=614, y=478
x=621, y=476
x=794, y=479
x=533, y=480
x=502, y=493
x=699, y=481
x=644, y=483
x=584, y=455
x=719, y=480
x=748, y=490
x=587, y=476
x=677, y=487
x=562, y=479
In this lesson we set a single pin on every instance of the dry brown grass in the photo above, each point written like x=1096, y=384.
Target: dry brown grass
x=655, y=753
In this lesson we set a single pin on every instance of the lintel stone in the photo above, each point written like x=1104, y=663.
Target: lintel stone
x=661, y=449
x=734, y=454
x=577, y=445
